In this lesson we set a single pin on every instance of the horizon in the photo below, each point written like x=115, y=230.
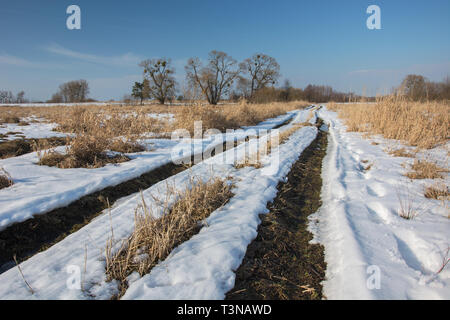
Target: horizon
x=321, y=42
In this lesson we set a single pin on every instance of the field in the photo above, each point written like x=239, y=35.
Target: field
x=282, y=200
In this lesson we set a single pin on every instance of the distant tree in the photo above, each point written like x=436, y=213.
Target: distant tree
x=20, y=97
x=141, y=90
x=56, y=98
x=74, y=91
x=159, y=74
x=216, y=78
x=315, y=93
x=414, y=86
x=286, y=91
x=262, y=70
x=243, y=87
x=445, y=91
x=6, y=97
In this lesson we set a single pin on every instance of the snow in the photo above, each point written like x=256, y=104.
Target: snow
x=36, y=130
x=361, y=229
x=364, y=237
x=200, y=268
x=39, y=189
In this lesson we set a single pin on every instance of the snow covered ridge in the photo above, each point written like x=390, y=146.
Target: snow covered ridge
x=372, y=252
x=39, y=189
x=200, y=268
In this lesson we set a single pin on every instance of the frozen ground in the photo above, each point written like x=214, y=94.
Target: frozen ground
x=200, y=268
x=365, y=239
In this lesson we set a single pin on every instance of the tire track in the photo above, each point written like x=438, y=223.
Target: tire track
x=281, y=263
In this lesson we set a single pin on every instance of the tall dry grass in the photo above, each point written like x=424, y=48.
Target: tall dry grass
x=153, y=239
x=234, y=116
x=99, y=129
x=422, y=124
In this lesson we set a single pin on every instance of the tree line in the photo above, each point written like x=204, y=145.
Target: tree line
x=419, y=88
x=9, y=97
x=213, y=80
x=72, y=91
x=222, y=77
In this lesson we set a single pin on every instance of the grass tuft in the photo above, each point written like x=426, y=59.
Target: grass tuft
x=438, y=191
x=5, y=179
x=153, y=239
x=422, y=169
x=85, y=151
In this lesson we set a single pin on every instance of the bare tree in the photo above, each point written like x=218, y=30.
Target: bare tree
x=216, y=78
x=243, y=87
x=262, y=70
x=6, y=97
x=56, y=98
x=159, y=73
x=191, y=91
x=286, y=91
x=73, y=91
x=414, y=86
x=20, y=98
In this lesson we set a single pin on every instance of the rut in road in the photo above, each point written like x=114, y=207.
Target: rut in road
x=281, y=263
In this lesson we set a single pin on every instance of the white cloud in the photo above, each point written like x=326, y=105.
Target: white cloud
x=127, y=59
x=15, y=61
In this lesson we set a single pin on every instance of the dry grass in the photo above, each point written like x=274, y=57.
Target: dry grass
x=438, y=191
x=127, y=120
x=153, y=239
x=408, y=208
x=231, y=116
x=402, y=152
x=8, y=118
x=422, y=169
x=110, y=123
x=5, y=179
x=105, y=128
x=85, y=151
x=266, y=147
x=421, y=124
x=132, y=120
x=249, y=162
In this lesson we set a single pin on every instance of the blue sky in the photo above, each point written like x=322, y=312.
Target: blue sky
x=318, y=42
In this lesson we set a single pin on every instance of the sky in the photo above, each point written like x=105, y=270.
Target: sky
x=324, y=42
